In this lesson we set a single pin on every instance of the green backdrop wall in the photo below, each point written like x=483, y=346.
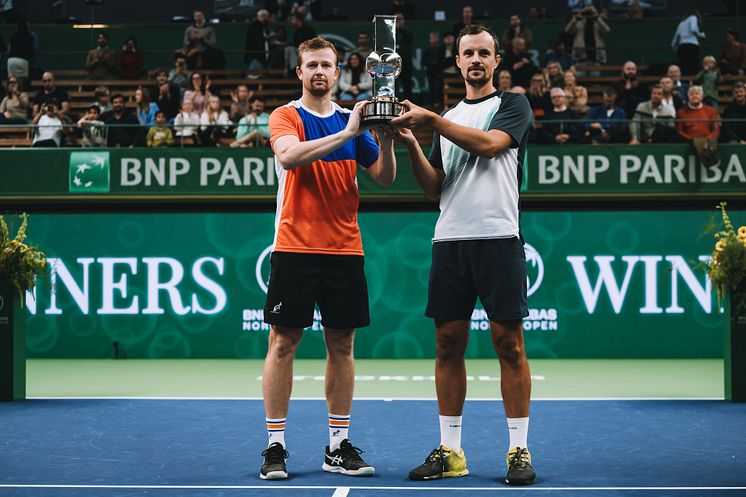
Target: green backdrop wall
x=602, y=284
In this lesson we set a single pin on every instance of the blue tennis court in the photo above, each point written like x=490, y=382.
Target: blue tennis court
x=170, y=447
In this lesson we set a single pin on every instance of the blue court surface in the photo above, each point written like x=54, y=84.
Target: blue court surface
x=169, y=448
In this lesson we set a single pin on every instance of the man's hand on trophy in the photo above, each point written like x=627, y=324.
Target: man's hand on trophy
x=353, y=123
x=404, y=137
x=414, y=117
x=385, y=134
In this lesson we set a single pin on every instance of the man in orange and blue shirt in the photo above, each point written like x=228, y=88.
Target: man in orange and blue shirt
x=317, y=258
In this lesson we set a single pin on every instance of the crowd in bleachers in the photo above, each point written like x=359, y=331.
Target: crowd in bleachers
x=118, y=103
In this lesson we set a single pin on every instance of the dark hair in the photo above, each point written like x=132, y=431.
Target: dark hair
x=133, y=40
x=103, y=33
x=161, y=70
x=93, y=107
x=475, y=29
x=254, y=98
x=733, y=32
x=609, y=91
x=656, y=87
x=158, y=112
x=116, y=96
x=51, y=101
x=297, y=16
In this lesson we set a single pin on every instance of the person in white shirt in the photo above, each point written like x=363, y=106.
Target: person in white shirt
x=92, y=129
x=214, y=121
x=186, y=123
x=686, y=41
x=49, y=131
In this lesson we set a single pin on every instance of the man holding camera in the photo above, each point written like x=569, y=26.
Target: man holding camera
x=49, y=132
x=588, y=50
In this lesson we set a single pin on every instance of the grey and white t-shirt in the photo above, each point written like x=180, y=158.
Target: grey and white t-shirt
x=479, y=197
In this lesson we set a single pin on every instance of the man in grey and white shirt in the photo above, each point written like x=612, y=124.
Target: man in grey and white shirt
x=475, y=167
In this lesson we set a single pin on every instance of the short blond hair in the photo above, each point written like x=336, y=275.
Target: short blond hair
x=317, y=43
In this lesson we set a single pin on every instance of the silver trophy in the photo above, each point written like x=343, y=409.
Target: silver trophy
x=384, y=66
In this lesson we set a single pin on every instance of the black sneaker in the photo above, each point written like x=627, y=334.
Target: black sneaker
x=442, y=462
x=520, y=471
x=346, y=460
x=274, y=463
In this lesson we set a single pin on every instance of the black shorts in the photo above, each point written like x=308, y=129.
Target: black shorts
x=336, y=283
x=493, y=270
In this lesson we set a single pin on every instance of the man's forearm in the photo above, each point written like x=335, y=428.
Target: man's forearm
x=426, y=176
x=305, y=152
x=472, y=140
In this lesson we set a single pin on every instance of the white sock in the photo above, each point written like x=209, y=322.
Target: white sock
x=518, y=430
x=339, y=428
x=450, y=432
x=276, y=431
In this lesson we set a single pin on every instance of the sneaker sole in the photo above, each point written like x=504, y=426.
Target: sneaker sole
x=447, y=474
x=274, y=475
x=518, y=483
x=367, y=471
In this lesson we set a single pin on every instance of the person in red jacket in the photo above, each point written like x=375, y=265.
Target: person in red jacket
x=697, y=120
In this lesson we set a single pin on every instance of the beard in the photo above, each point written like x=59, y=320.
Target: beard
x=477, y=82
x=318, y=91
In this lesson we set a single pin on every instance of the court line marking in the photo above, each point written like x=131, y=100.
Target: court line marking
x=385, y=399
x=409, y=488
x=341, y=492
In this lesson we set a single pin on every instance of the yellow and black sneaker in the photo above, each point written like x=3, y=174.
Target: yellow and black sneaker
x=441, y=463
x=520, y=471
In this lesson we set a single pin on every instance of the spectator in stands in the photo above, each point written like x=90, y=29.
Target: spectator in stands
x=607, y=123
x=467, y=17
x=102, y=62
x=103, y=99
x=519, y=63
x=670, y=99
x=49, y=132
x=403, y=7
x=180, y=75
x=653, y=122
x=734, y=116
x=534, y=14
x=21, y=50
x=214, y=121
x=168, y=96
x=240, y=102
x=121, y=125
x=553, y=75
x=186, y=124
x=130, y=60
x=303, y=31
x=433, y=61
x=557, y=54
x=559, y=125
x=363, y=42
x=686, y=41
x=577, y=96
x=199, y=92
x=404, y=40
x=92, y=130
x=146, y=109
x=50, y=91
x=199, y=38
x=630, y=90
x=257, y=42
x=278, y=44
x=253, y=128
x=309, y=9
x=634, y=12
x=14, y=109
x=538, y=96
x=733, y=56
x=709, y=79
x=278, y=10
x=449, y=54
x=588, y=30
x=516, y=30
x=160, y=135
x=354, y=81
x=504, y=80
x=680, y=87
x=697, y=120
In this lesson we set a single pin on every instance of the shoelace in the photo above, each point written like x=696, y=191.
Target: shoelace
x=520, y=458
x=275, y=454
x=435, y=455
x=348, y=451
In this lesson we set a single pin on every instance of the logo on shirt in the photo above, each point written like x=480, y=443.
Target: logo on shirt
x=89, y=172
x=534, y=269
x=276, y=309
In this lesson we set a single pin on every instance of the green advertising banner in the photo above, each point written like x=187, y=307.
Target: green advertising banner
x=601, y=284
x=223, y=173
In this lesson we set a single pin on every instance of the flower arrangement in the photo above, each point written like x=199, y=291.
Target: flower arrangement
x=727, y=266
x=20, y=263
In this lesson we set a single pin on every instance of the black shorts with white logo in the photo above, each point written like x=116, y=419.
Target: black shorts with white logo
x=493, y=270
x=336, y=283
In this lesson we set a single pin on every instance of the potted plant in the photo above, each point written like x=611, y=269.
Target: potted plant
x=20, y=264
x=727, y=271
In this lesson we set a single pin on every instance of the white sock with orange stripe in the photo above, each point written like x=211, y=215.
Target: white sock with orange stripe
x=339, y=427
x=276, y=430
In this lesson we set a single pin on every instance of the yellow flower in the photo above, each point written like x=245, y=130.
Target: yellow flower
x=742, y=232
x=720, y=246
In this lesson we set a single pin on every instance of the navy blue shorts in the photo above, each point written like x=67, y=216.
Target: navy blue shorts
x=493, y=270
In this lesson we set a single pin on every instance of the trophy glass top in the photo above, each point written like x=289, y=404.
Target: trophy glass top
x=384, y=64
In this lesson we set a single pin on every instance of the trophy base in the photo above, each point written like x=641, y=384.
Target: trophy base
x=381, y=110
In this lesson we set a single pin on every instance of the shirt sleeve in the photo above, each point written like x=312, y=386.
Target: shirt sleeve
x=283, y=121
x=513, y=117
x=435, y=158
x=367, y=149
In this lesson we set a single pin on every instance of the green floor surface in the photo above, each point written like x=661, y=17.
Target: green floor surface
x=552, y=378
